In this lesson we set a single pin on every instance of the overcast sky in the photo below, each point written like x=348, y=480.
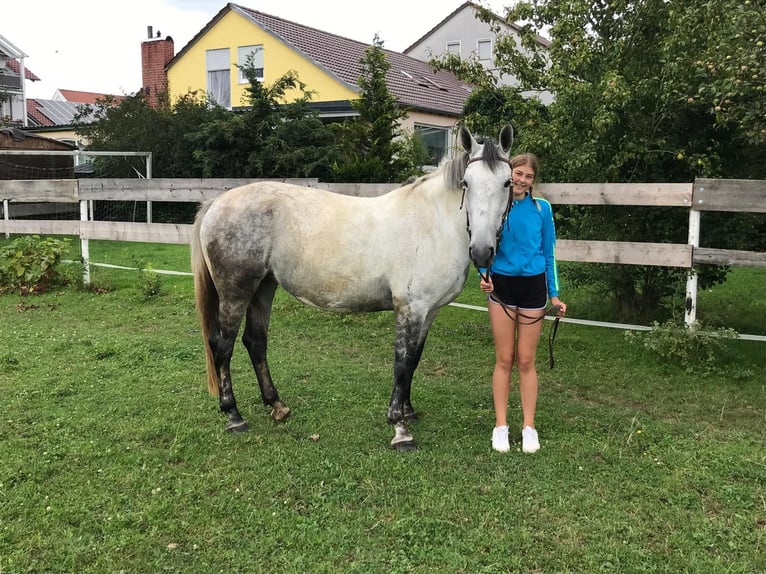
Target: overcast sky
x=95, y=45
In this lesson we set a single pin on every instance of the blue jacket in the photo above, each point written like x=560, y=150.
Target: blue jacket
x=527, y=244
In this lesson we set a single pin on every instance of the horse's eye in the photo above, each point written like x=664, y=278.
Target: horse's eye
x=507, y=183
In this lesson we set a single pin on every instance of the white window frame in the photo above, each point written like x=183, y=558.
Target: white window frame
x=480, y=43
x=218, y=65
x=449, y=47
x=445, y=131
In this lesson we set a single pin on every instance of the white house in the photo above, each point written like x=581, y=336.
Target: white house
x=12, y=90
x=462, y=33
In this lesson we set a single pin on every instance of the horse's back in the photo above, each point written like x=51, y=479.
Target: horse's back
x=314, y=243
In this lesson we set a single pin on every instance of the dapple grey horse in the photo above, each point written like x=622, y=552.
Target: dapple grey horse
x=408, y=251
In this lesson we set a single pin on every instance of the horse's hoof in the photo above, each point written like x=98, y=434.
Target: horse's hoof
x=407, y=446
x=279, y=412
x=241, y=426
x=402, y=441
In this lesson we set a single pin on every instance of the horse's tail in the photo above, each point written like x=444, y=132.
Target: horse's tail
x=206, y=298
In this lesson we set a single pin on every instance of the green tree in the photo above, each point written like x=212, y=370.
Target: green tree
x=373, y=147
x=134, y=125
x=196, y=138
x=645, y=91
x=488, y=109
x=270, y=138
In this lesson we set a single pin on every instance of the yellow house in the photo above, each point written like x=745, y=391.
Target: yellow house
x=328, y=64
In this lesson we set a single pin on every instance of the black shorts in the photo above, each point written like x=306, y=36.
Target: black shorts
x=521, y=292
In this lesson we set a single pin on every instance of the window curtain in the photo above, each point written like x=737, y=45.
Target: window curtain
x=219, y=87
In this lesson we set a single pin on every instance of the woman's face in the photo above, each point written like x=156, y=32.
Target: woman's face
x=523, y=177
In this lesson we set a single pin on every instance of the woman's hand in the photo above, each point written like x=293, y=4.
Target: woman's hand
x=486, y=286
x=562, y=307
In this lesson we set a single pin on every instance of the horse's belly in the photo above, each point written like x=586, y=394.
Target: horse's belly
x=342, y=296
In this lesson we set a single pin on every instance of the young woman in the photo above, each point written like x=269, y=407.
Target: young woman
x=518, y=284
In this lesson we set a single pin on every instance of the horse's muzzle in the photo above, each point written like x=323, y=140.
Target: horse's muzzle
x=482, y=257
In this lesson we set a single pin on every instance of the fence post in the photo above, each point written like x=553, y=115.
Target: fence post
x=149, y=176
x=691, y=282
x=6, y=216
x=84, y=246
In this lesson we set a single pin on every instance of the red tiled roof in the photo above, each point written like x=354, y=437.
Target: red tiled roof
x=15, y=66
x=34, y=114
x=412, y=82
x=79, y=97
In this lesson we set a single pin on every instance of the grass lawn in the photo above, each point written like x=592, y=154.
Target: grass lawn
x=114, y=458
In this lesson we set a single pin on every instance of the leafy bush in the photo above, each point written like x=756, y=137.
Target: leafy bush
x=697, y=350
x=149, y=281
x=30, y=264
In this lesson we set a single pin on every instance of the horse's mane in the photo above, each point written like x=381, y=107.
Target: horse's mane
x=452, y=168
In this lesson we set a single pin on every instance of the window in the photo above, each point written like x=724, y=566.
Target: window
x=453, y=48
x=219, y=76
x=435, y=139
x=250, y=56
x=484, y=48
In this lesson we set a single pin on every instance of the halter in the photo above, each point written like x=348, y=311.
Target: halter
x=505, y=214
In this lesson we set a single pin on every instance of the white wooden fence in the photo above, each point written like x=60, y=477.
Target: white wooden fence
x=701, y=195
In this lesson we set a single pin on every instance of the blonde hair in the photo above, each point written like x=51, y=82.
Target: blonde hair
x=529, y=159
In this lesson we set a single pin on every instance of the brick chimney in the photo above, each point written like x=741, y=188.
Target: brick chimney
x=155, y=54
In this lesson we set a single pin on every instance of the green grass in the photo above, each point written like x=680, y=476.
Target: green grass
x=113, y=457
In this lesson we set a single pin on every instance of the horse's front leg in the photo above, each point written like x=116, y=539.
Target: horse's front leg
x=411, y=332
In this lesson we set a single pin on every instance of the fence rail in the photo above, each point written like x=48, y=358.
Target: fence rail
x=701, y=195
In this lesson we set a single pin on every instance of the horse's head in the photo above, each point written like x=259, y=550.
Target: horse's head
x=487, y=190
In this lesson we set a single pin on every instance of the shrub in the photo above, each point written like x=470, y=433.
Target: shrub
x=697, y=350
x=149, y=281
x=30, y=264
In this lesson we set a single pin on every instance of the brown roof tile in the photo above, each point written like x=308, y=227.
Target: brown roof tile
x=16, y=68
x=34, y=114
x=412, y=82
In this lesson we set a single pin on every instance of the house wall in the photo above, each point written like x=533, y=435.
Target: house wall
x=462, y=27
x=465, y=28
x=66, y=134
x=426, y=119
x=232, y=31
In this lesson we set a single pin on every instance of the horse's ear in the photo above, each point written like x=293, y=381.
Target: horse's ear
x=506, y=138
x=466, y=139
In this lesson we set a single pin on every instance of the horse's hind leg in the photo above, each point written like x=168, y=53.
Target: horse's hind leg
x=255, y=339
x=222, y=346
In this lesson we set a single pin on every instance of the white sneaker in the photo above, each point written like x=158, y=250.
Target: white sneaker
x=529, y=441
x=500, y=439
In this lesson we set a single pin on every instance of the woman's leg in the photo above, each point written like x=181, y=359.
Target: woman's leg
x=504, y=335
x=529, y=331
